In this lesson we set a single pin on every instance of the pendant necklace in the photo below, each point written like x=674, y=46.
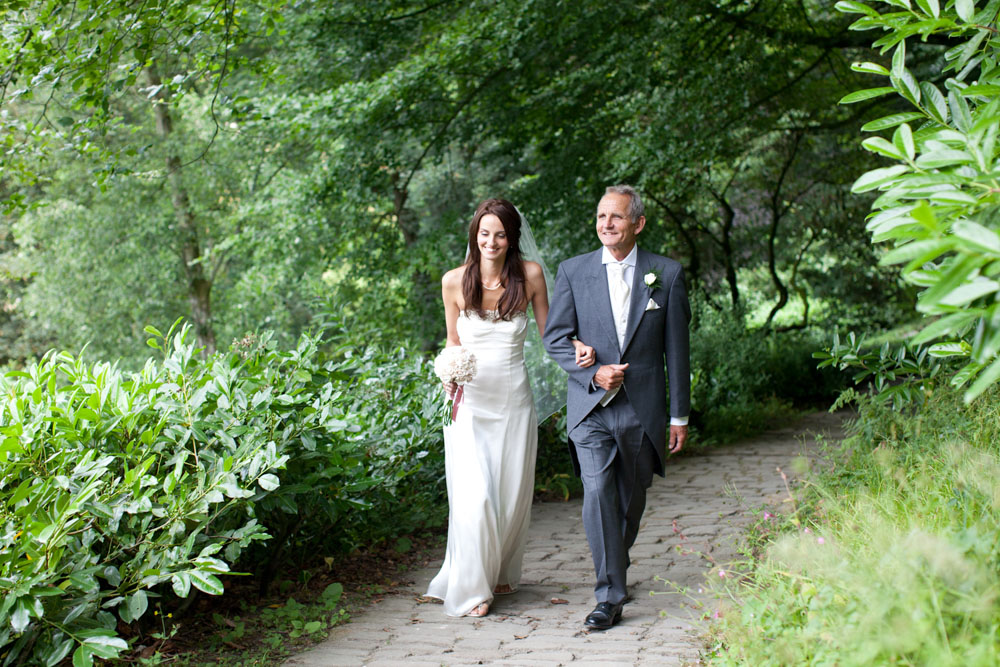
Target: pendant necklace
x=495, y=287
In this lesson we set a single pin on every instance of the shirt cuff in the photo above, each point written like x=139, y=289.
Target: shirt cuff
x=678, y=421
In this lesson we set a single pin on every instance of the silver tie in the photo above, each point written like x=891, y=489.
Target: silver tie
x=619, y=299
x=619, y=310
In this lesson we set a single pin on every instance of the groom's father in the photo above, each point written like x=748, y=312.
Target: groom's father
x=631, y=306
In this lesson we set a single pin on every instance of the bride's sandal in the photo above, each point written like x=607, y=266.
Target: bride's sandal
x=504, y=589
x=480, y=610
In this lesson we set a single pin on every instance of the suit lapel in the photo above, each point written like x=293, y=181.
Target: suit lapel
x=639, y=297
x=600, y=296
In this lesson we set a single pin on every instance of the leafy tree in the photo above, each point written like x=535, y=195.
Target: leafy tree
x=383, y=123
x=938, y=202
x=85, y=60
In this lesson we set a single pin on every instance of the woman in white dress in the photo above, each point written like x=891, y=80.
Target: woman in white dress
x=490, y=447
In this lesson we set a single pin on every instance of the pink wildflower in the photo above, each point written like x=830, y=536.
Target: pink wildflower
x=722, y=573
x=806, y=530
x=820, y=540
x=768, y=515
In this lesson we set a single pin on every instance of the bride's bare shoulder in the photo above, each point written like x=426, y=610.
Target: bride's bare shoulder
x=453, y=279
x=532, y=270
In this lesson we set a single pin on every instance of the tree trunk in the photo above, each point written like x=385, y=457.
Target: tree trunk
x=777, y=212
x=405, y=219
x=728, y=217
x=199, y=287
x=693, y=268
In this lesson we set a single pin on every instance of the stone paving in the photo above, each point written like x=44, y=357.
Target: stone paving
x=689, y=530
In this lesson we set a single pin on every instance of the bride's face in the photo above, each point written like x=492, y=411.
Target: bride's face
x=492, y=239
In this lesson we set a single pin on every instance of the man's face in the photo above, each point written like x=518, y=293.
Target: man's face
x=616, y=231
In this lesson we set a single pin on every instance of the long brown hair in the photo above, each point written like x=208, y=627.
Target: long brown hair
x=512, y=274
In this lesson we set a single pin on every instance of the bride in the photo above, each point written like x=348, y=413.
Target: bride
x=490, y=447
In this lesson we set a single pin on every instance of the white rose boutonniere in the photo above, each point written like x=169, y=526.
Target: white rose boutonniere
x=652, y=280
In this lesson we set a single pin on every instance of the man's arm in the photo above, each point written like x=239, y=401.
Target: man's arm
x=677, y=349
x=561, y=328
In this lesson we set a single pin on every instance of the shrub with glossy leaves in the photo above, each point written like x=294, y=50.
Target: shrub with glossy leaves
x=120, y=488
x=113, y=484
x=939, y=202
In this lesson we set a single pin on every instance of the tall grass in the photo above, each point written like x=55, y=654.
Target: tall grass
x=891, y=555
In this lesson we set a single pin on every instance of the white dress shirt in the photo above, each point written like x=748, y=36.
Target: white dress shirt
x=621, y=319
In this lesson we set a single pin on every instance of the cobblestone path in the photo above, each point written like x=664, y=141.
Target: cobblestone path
x=692, y=519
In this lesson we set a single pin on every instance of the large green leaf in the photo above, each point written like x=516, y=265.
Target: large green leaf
x=964, y=294
x=986, y=379
x=880, y=145
x=976, y=238
x=206, y=582
x=852, y=7
x=934, y=101
x=137, y=605
x=891, y=120
x=870, y=68
x=181, y=583
x=949, y=324
x=922, y=251
x=867, y=94
x=878, y=177
x=964, y=9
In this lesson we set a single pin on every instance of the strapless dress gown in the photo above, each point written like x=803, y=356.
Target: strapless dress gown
x=490, y=466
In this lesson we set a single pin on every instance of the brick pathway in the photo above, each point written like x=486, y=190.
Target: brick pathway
x=700, y=507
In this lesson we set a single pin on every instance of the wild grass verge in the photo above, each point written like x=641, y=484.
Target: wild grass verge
x=890, y=555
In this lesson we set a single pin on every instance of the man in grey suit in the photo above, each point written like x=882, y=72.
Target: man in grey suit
x=631, y=306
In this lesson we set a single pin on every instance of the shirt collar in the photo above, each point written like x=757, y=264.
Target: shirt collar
x=608, y=258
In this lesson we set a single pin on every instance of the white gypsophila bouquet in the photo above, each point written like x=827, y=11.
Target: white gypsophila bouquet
x=455, y=364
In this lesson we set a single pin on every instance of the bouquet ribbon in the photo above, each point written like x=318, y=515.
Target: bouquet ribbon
x=456, y=401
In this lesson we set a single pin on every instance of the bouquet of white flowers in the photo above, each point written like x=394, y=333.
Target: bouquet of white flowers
x=455, y=365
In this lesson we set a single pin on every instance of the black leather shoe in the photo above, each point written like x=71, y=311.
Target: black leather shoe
x=604, y=616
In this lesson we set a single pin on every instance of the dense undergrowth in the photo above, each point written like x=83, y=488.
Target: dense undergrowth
x=123, y=492
x=891, y=555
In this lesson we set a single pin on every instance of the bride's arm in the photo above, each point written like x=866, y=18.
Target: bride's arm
x=451, y=293
x=537, y=294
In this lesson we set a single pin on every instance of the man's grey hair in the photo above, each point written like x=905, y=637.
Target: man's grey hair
x=635, y=208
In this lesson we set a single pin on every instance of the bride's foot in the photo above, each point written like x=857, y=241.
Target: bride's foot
x=480, y=610
x=503, y=589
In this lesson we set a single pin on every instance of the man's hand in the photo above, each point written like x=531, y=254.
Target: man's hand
x=678, y=436
x=610, y=376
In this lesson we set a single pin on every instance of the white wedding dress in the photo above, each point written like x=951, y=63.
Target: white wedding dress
x=490, y=465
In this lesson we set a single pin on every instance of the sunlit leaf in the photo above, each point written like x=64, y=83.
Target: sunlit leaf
x=867, y=94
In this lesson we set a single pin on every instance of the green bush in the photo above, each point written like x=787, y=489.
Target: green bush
x=743, y=380
x=892, y=555
x=371, y=467
x=937, y=205
x=115, y=484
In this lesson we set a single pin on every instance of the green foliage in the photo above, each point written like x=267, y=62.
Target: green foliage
x=88, y=55
x=554, y=478
x=744, y=380
x=351, y=172
x=892, y=557
x=938, y=203
x=118, y=483
x=899, y=375
x=266, y=633
x=371, y=437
